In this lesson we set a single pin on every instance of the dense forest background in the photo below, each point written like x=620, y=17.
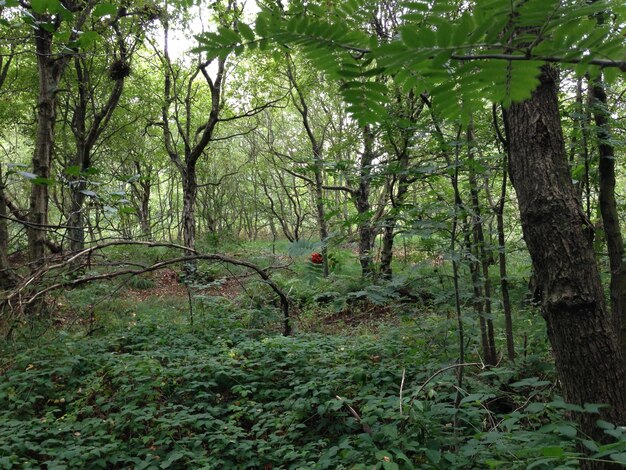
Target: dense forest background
x=361, y=234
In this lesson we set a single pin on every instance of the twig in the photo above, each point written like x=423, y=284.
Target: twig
x=354, y=413
x=480, y=365
x=401, y=388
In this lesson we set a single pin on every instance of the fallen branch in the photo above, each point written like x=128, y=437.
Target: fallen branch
x=192, y=255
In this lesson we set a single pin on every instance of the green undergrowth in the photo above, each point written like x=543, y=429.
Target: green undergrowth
x=165, y=395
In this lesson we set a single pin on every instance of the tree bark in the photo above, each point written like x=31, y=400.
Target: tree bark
x=362, y=203
x=50, y=72
x=8, y=278
x=190, y=190
x=489, y=346
x=588, y=359
x=144, y=213
x=51, y=68
x=608, y=209
x=318, y=194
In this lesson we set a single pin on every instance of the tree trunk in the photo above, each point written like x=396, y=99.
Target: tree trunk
x=391, y=220
x=319, y=207
x=482, y=263
x=86, y=135
x=498, y=209
x=608, y=209
x=362, y=203
x=504, y=282
x=75, y=220
x=477, y=301
x=504, y=287
x=146, y=230
x=7, y=277
x=190, y=189
x=386, y=252
x=588, y=359
x=50, y=72
x=77, y=185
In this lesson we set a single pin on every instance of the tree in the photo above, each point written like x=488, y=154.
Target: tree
x=608, y=209
x=587, y=355
x=7, y=276
x=188, y=130
x=48, y=19
x=316, y=141
x=487, y=61
x=400, y=136
x=92, y=111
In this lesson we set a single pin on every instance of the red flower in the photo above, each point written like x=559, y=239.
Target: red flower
x=316, y=258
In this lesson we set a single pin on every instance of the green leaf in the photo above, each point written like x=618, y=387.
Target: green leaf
x=127, y=210
x=87, y=39
x=605, y=424
x=552, y=451
x=566, y=430
x=530, y=382
x=104, y=9
x=463, y=29
x=390, y=465
x=410, y=36
x=594, y=407
x=171, y=458
x=476, y=397
x=433, y=455
x=620, y=458
x=44, y=6
x=592, y=446
x=43, y=181
x=535, y=407
x=73, y=170
x=246, y=31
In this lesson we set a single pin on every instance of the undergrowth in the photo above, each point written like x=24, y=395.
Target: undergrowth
x=220, y=396
x=164, y=383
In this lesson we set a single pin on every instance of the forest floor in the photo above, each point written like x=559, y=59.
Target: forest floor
x=128, y=376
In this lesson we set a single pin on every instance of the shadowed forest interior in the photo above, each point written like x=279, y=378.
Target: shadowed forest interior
x=312, y=234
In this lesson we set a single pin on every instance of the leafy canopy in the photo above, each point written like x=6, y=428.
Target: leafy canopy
x=460, y=54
